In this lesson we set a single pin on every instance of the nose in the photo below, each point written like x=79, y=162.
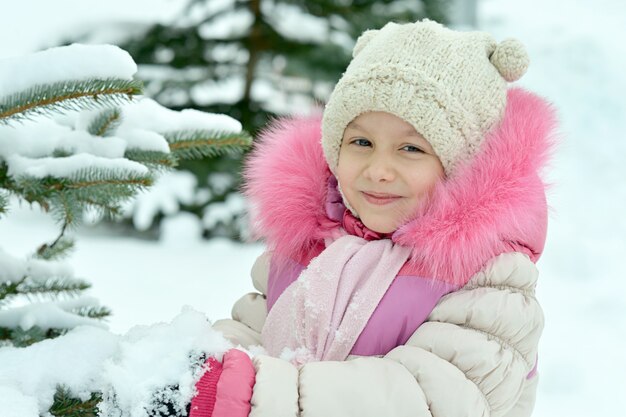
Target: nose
x=380, y=168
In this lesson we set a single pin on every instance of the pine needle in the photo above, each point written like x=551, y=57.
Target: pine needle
x=66, y=96
x=52, y=287
x=9, y=289
x=155, y=160
x=105, y=123
x=204, y=143
x=65, y=405
x=93, y=312
x=4, y=202
x=59, y=249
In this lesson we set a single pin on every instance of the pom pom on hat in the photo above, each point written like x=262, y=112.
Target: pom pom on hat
x=511, y=59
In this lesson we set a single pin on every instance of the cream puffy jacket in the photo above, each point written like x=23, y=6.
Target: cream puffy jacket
x=474, y=356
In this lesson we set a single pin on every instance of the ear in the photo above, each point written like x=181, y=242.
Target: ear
x=363, y=40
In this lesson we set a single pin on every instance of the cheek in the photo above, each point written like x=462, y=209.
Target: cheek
x=425, y=182
x=346, y=172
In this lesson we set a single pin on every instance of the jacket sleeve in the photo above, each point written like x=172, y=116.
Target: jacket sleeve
x=249, y=312
x=472, y=357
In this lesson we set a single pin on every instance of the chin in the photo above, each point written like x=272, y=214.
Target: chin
x=379, y=227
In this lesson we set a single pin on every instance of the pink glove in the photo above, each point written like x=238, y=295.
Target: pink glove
x=225, y=389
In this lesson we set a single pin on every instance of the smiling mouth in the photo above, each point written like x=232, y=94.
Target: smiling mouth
x=380, y=199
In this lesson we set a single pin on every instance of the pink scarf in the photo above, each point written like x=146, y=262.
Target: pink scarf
x=321, y=314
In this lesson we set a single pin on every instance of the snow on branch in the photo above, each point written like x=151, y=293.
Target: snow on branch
x=69, y=166
x=50, y=315
x=133, y=373
x=147, y=114
x=28, y=149
x=13, y=269
x=74, y=62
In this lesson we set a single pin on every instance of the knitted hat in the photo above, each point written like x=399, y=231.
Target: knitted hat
x=449, y=85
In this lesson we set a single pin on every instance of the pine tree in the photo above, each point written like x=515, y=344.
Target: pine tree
x=67, y=179
x=66, y=146
x=255, y=59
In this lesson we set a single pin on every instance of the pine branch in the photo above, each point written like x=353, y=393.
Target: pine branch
x=152, y=159
x=88, y=178
x=5, y=181
x=56, y=241
x=66, y=208
x=4, y=202
x=67, y=197
x=5, y=337
x=99, y=312
x=109, y=210
x=105, y=189
x=32, y=189
x=68, y=95
x=61, y=153
x=203, y=143
x=67, y=406
x=23, y=338
x=18, y=337
x=57, y=250
x=52, y=287
x=105, y=123
x=9, y=289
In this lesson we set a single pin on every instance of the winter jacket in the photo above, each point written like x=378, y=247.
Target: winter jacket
x=474, y=351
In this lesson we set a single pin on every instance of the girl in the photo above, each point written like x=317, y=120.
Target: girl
x=403, y=228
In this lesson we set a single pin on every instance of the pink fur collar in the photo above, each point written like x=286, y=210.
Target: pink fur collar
x=494, y=204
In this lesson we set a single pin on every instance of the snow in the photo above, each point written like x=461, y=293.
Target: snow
x=142, y=281
x=137, y=370
x=198, y=11
x=73, y=62
x=49, y=315
x=289, y=21
x=144, y=140
x=30, y=25
x=127, y=369
x=228, y=90
x=67, y=360
x=147, y=114
x=70, y=166
x=39, y=270
x=41, y=137
x=220, y=181
x=173, y=188
x=578, y=62
x=13, y=269
x=183, y=229
x=223, y=212
x=228, y=25
x=165, y=196
x=15, y=404
x=26, y=147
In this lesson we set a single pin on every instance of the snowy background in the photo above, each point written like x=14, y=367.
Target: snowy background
x=577, y=61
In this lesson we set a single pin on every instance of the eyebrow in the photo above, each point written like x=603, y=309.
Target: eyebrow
x=354, y=125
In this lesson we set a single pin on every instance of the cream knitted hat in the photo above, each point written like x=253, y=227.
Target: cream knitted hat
x=449, y=85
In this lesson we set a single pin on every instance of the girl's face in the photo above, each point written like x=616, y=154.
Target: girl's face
x=385, y=169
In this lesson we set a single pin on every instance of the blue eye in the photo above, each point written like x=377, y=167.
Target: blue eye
x=412, y=149
x=361, y=142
